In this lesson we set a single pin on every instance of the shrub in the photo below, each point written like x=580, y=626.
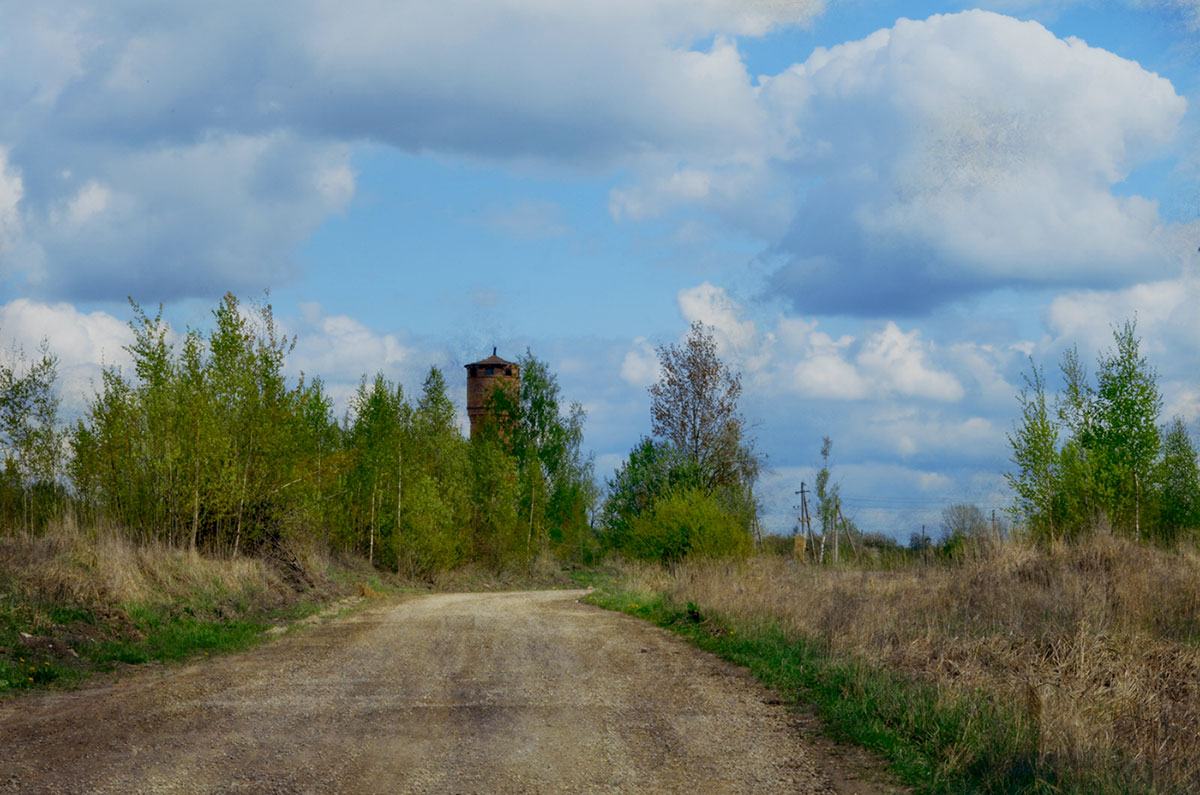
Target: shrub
x=687, y=522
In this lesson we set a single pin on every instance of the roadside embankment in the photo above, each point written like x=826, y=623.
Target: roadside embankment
x=75, y=602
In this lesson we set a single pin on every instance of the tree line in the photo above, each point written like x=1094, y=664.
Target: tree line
x=1097, y=454
x=207, y=443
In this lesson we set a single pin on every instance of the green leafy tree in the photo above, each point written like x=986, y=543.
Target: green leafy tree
x=101, y=466
x=498, y=527
x=694, y=406
x=375, y=476
x=319, y=442
x=1110, y=465
x=205, y=444
x=1178, y=479
x=1034, y=442
x=1127, y=439
x=827, y=495
x=555, y=477
x=1077, y=503
x=653, y=470
x=30, y=440
x=437, y=485
x=701, y=457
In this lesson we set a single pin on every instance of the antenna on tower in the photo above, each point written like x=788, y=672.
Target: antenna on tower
x=493, y=350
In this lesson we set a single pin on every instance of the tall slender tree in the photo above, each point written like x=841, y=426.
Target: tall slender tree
x=694, y=405
x=1127, y=438
x=30, y=441
x=1034, y=443
x=1178, y=483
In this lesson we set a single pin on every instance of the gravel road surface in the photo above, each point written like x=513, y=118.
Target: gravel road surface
x=524, y=692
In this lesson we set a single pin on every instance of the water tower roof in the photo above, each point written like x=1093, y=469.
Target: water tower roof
x=491, y=361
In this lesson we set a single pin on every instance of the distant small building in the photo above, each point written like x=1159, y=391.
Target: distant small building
x=484, y=376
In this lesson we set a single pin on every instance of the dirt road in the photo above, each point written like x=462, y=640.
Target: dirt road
x=513, y=692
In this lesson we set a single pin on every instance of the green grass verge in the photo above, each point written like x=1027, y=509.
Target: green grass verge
x=209, y=625
x=936, y=742
x=168, y=636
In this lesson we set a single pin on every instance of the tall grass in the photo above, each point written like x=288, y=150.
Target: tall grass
x=67, y=564
x=1095, y=645
x=73, y=600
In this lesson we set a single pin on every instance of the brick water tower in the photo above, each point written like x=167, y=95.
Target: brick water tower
x=484, y=376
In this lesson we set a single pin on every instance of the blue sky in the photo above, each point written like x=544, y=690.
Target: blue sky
x=882, y=208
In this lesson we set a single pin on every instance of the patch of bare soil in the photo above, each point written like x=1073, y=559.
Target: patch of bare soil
x=522, y=692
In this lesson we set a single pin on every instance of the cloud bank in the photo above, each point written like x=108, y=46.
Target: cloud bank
x=190, y=151
x=962, y=153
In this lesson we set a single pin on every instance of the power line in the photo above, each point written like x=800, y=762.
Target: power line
x=885, y=502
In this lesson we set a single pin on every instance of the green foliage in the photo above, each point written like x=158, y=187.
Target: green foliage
x=1115, y=464
x=436, y=512
x=554, y=479
x=653, y=470
x=206, y=442
x=1177, y=477
x=31, y=457
x=685, y=522
x=374, y=479
x=1034, y=446
x=698, y=476
x=499, y=536
x=827, y=493
x=1127, y=407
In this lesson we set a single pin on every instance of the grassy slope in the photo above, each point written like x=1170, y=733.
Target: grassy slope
x=89, y=603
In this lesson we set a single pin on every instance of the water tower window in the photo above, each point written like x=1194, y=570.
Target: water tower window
x=508, y=371
x=490, y=371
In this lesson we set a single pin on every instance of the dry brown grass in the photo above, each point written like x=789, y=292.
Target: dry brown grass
x=545, y=571
x=1099, y=641
x=68, y=565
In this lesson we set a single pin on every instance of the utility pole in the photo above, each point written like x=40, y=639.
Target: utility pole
x=805, y=538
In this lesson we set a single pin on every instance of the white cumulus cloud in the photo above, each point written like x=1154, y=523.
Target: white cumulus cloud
x=898, y=361
x=83, y=342
x=639, y=367
x=796, y=357
x=963, y=152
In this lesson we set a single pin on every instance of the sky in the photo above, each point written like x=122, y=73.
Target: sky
x=884, y=210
